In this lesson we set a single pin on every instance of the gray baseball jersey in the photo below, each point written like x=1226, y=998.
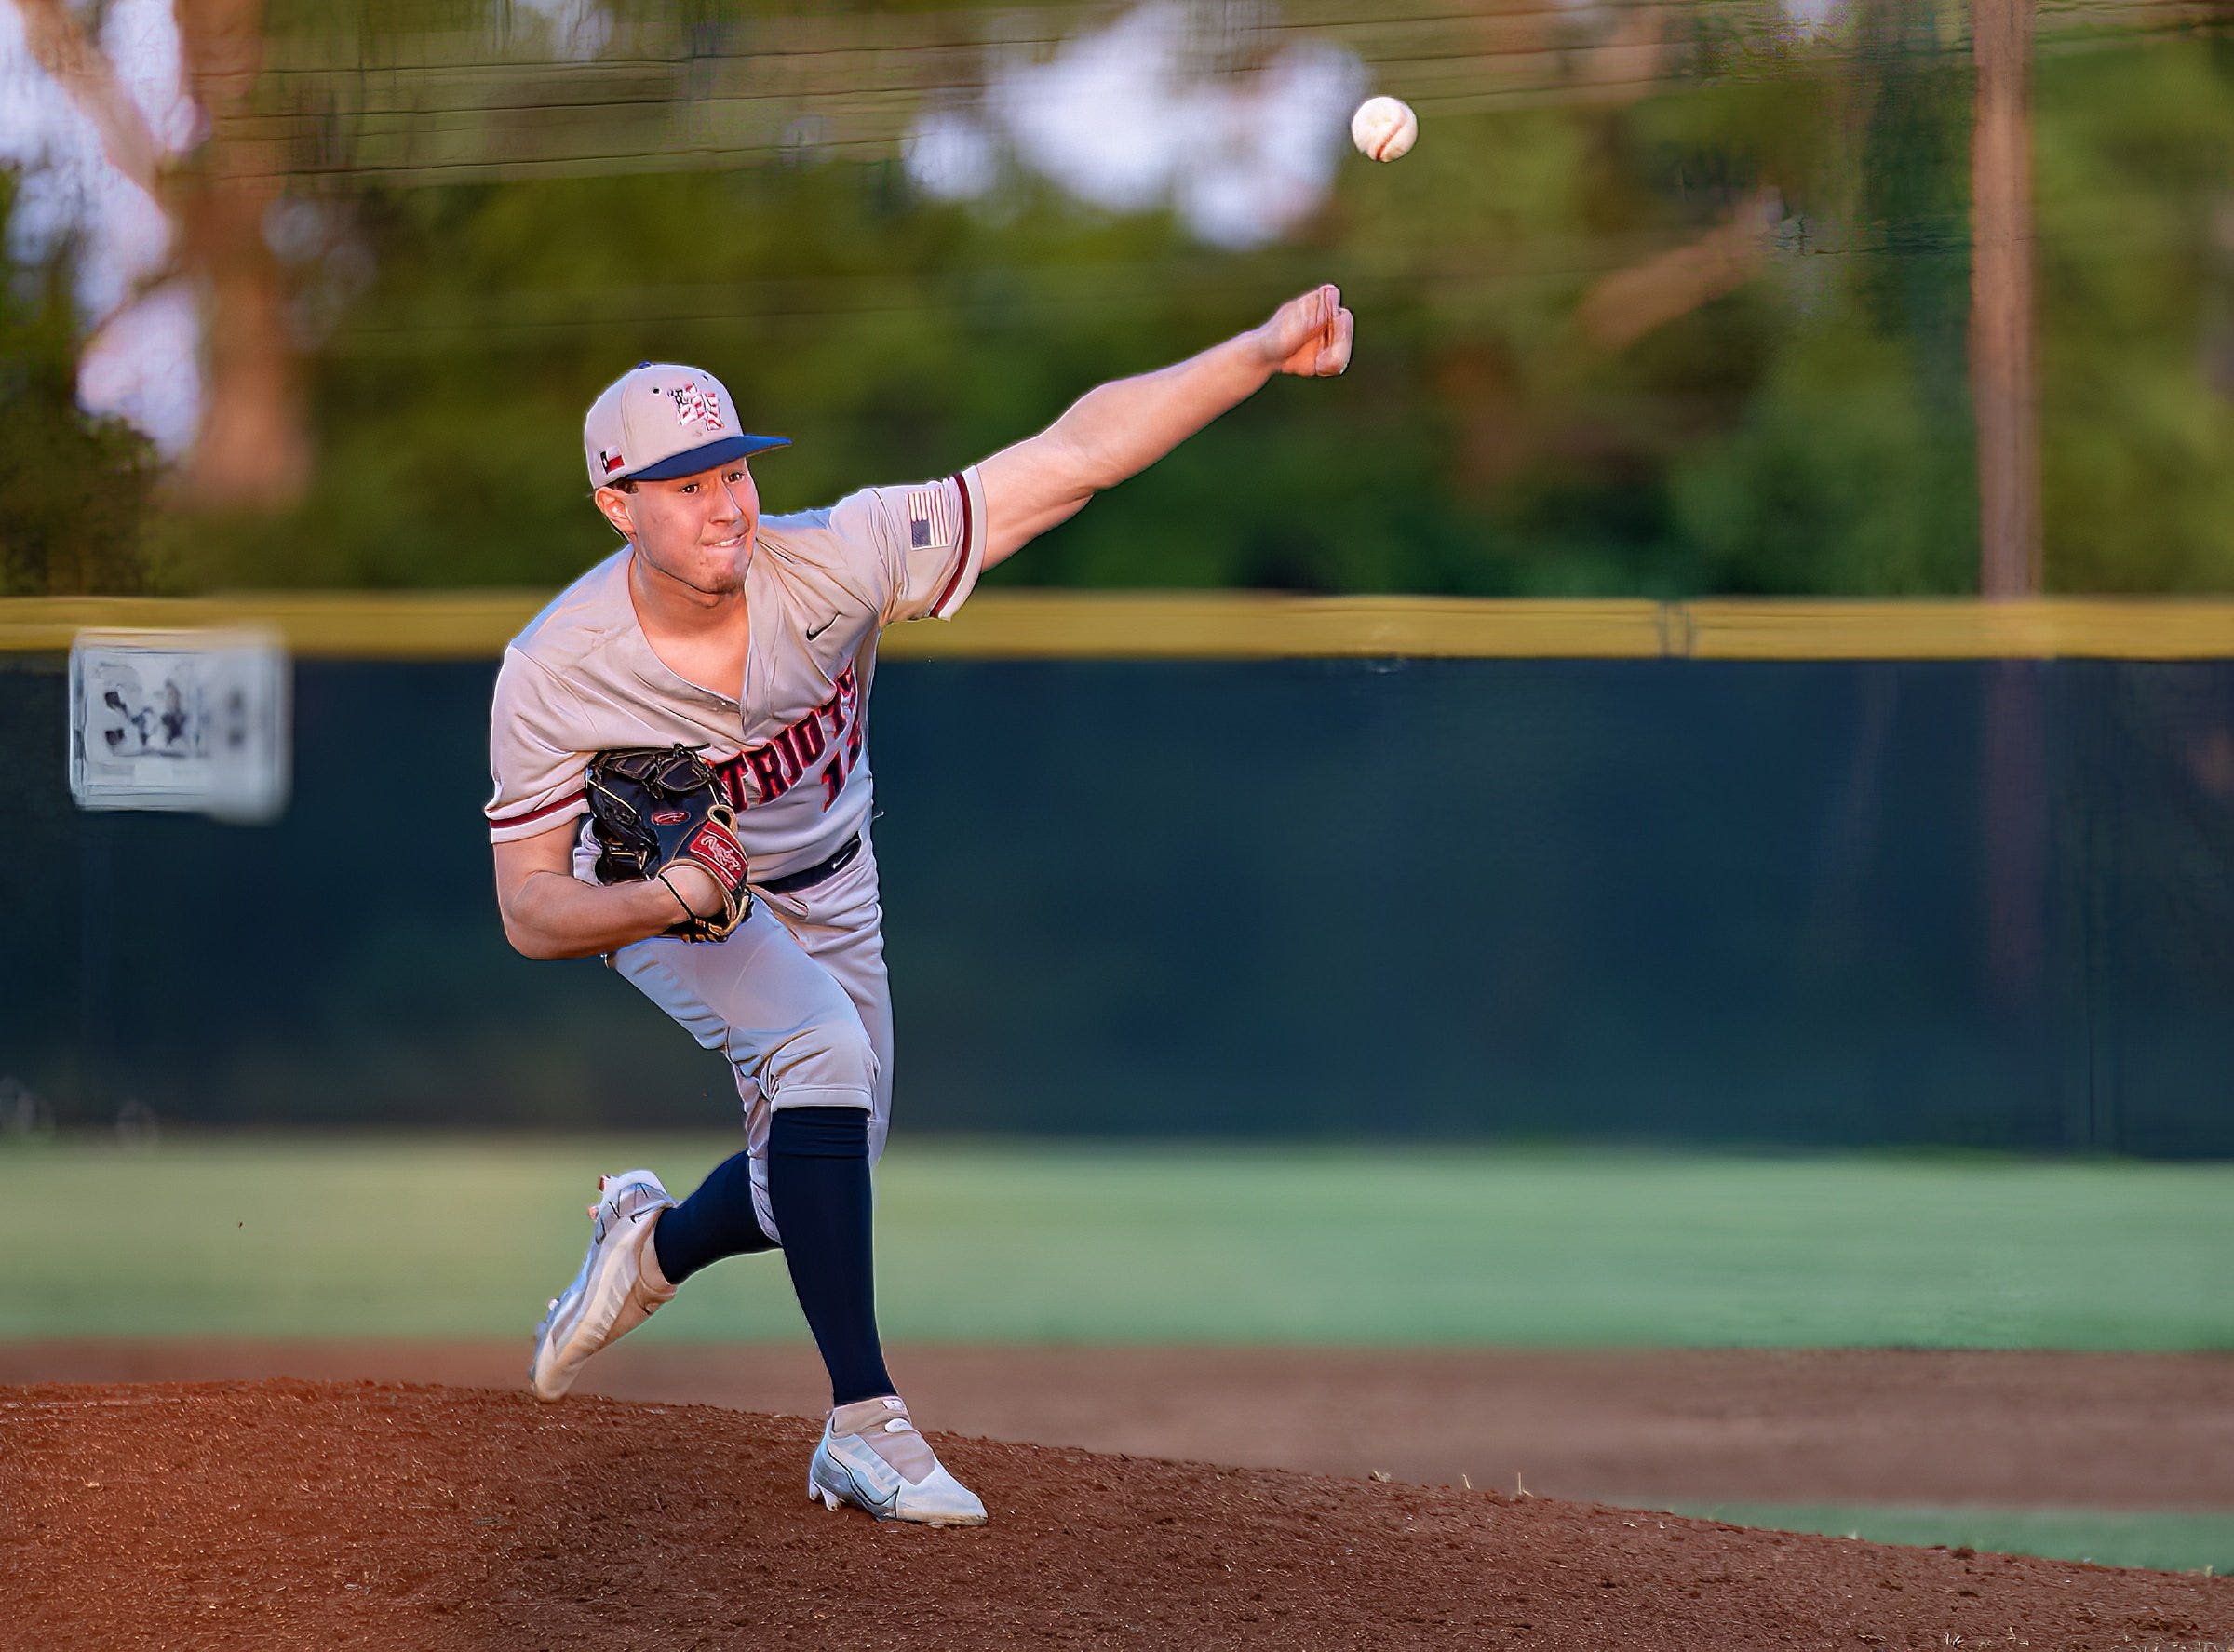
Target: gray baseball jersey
x=797, y=999
x=790, y=741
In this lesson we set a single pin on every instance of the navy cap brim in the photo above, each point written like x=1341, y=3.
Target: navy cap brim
x=694, y=460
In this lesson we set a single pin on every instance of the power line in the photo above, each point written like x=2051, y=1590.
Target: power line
x=562, y=127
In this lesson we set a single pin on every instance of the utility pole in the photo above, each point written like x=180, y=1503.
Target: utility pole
x=2002, y=382
x=2003, y=396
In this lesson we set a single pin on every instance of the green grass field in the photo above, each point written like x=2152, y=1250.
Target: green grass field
x=2108, y=1537
x=415, y=1236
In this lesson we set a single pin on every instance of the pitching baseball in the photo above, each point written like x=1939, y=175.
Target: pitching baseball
x=679, y=748
x=1384, y=128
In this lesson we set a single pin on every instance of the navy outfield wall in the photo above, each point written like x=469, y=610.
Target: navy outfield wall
x=1983, y=902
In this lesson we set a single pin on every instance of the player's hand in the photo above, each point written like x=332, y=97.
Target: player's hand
x=1310, y=336
x=699, y=887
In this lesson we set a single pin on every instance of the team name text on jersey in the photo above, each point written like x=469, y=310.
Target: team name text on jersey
x=834, y=728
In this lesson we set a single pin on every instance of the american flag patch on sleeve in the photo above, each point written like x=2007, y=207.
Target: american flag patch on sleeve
x=930, y=519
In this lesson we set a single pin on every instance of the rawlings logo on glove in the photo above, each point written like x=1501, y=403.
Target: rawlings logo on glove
x=714, y=847
x=653, y=808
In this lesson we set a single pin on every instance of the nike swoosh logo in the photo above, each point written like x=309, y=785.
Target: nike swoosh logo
x=818, y=630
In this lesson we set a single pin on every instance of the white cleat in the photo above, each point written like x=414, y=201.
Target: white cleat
x=872, y=1457
x=617, y=1290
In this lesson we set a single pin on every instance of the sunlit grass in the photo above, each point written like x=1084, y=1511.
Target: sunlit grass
x=431, y=1236
x=2171, y=1542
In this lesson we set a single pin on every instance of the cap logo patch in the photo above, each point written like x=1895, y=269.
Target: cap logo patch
x=695, y=404
x=610, y=461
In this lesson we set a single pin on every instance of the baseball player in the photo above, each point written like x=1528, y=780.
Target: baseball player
x=752, y=642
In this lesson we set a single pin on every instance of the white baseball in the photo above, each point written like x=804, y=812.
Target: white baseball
x=1383, y=129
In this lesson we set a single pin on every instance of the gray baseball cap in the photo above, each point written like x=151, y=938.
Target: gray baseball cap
x=659, y=419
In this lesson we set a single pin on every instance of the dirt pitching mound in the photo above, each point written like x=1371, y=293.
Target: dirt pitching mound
x=302, y=1514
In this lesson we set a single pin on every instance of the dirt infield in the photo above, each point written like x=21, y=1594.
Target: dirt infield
x=2147, y=1431
x=299, y=1514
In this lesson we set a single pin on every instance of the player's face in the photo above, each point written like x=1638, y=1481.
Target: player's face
x=697, y=530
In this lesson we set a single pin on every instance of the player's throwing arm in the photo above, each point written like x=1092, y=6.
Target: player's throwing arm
x=1122, y=428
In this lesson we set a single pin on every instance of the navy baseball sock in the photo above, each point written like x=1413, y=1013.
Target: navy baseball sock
x=716, y=1221
x=819, y=1183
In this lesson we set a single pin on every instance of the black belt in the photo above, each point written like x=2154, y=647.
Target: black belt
x=807, y=877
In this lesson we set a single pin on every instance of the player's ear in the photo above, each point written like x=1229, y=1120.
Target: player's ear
x=613, y=503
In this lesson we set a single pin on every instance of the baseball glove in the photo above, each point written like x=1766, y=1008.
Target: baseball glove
x=655, y=807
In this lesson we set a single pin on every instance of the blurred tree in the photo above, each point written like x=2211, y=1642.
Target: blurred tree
x=2134, y=200
x=252, y=451
x=75, y=489
x=1849, y=469
x=1684, y=314
x=214, y=190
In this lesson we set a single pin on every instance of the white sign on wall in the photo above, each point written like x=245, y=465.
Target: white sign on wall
x=192, y=720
